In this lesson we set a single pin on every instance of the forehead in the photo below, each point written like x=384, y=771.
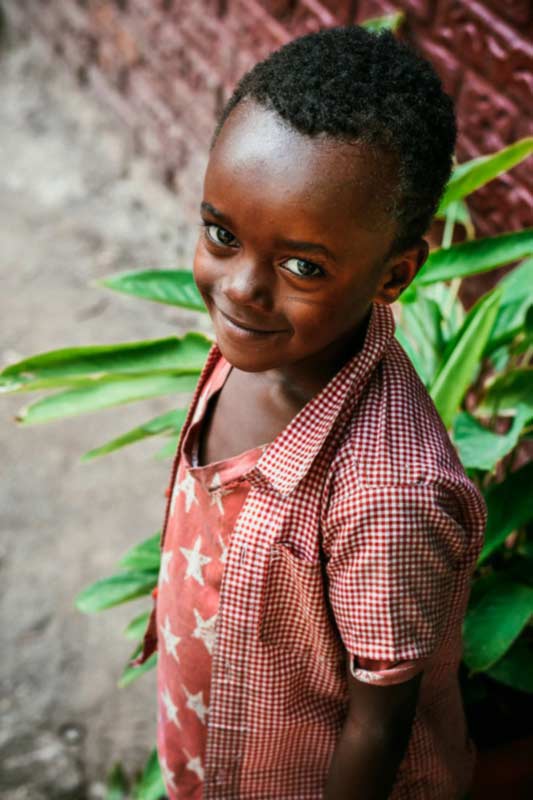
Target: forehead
x=261, y=158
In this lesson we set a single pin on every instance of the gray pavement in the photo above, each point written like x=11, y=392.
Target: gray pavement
x=76, y=203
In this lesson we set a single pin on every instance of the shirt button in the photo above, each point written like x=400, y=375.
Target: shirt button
x=220, y=775
x=243, y=554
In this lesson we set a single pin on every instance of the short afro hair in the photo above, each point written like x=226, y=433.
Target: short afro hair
x=355, y=85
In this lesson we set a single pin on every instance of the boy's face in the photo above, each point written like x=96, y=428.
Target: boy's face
x=294, y=244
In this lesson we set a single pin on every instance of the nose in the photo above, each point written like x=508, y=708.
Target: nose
x=250, y=283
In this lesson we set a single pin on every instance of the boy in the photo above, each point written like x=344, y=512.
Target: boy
x=320, y=532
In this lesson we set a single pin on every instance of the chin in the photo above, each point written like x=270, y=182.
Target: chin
x=246, y=360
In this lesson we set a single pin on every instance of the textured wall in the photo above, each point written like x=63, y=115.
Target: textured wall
x=167, y=65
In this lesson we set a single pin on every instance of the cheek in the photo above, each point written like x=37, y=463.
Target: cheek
x=202, y=269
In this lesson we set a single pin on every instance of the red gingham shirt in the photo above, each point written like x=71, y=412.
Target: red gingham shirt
x=359, y=534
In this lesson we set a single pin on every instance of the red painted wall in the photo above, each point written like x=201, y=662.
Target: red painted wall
x=166, y=66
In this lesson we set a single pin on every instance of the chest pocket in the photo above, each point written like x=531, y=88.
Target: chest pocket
x=295, y=614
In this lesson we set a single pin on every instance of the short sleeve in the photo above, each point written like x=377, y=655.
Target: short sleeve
x=399, y=560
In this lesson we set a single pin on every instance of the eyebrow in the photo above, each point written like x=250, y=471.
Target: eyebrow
x=309, y=247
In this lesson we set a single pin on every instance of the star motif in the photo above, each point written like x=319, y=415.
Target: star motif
x=194, y=764
x=168, y=775
x=224, y=554
x=170, y=708
x=166, y=558
x=187, y=487
x=195, y=561
x=171, y=640
x=205, y=630
x=218, y=494
x=196, y=703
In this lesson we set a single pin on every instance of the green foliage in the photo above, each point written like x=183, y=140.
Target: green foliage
x=147, y=786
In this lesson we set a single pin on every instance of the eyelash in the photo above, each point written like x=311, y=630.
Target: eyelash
x=204, y=225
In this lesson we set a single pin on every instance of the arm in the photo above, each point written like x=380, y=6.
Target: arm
x=373, y=740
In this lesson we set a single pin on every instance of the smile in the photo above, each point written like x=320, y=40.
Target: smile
x=244, y=329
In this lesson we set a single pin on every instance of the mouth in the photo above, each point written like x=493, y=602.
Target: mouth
x=246, y=328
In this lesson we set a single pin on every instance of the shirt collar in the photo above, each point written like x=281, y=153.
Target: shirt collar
x=288, y=459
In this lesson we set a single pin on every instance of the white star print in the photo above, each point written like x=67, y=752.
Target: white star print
x=187, y=487
x=205, y=630
x=196, y=703
x=194, y=764
x=224, y=553
x=195, y=561
x=170, y=707
x=168, y=775
x=171, y=640
x=166, y=558
x=216, y=496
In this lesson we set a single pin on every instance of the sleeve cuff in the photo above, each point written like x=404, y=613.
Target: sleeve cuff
x=397, y=672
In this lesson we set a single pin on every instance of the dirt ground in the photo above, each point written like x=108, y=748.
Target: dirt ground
x=76, y=203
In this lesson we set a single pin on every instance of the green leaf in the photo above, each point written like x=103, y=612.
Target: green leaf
x=415, y=358
x=472, y=258
x=515, y=669
x=117, y=784
x=143, y=556
x=388, y=22
x=461, y=360
x=136, y=628
x=113, y=591
x=509, y=508
x=65, y=366
x=151, y=785
x=421, y=325
x=509, y=392
x=173, y=287
x=493, y=622
x=104, y=394
x=169, y=449
x=165, y=423
x=461, y=214
x=131, y=674
x=516, y=301
x=471, y=175
x=481, y=448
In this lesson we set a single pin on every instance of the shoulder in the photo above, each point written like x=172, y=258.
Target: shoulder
x=396, y=450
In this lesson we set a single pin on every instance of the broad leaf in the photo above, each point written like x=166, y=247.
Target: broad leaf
x=131, y=674
x=481, y=448
x=117, y=784
x=517, y=299
x=113, y=591
x=179, y=356
x=515, y=669
x=471, y=175
x=493, y=622
x=415, y=358
x=143, y=556
x=421, y=325
x=461, y=363
x=165, y=423
x=151, y=785
x=509, y=508
x=169, y=449
x=509, y=392
x=388, y=22
x=472, y=258
x=136, y=628
x=105, y=394
x=173, y=287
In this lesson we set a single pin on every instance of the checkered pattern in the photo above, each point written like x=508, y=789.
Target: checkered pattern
x=359, y=533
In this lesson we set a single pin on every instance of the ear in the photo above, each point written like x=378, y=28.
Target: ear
x=400, y=271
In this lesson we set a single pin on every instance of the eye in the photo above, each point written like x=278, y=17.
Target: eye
x=302, y=268
x=219, y=235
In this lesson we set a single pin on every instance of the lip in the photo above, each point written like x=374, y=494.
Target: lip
x=246, y=329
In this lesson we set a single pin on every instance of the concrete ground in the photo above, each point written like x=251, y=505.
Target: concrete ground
x=76, y=203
